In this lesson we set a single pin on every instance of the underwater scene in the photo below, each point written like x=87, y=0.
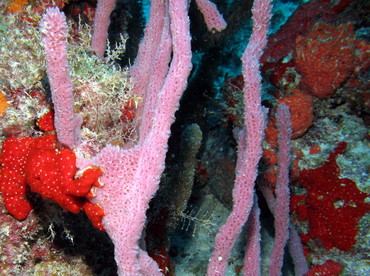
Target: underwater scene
x=184, y=137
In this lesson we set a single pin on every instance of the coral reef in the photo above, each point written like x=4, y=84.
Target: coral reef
x=316, y=63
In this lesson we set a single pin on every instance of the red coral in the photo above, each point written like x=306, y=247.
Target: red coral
x=325, y=58
x=301, y=110
x=36, y=163
x=12, y=176
x=46, y=122
x=332, y=204
x=301, y=21
x=95, y=214
x=298, y=206
x=270, y=157
x=271, y=133
x=329, y=268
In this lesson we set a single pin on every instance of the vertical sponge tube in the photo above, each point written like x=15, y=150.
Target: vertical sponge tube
x=54, y=31
x=281, y=213
x=101, y=25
